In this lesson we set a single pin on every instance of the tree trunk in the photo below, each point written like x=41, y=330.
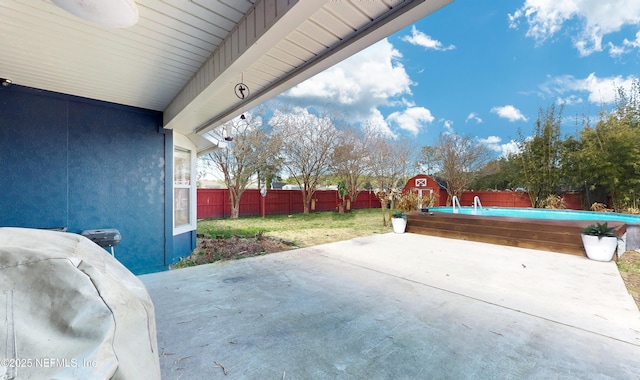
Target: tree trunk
x=384, y=214
x=234, y=201
x=306, y=201
x=235, y=212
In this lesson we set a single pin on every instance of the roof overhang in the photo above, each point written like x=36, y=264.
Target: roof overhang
x=184, y=57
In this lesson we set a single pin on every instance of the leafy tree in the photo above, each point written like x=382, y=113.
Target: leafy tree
x=572, y=166
x=309, y=141
x=610, y=154
x=539, y=158
x=268, y=173
x=607, y=155
x=499, y=174
x=251, y=147
x=627, y=109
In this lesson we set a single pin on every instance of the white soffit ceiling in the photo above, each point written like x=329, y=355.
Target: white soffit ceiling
x=146, y=65
x=184, y=57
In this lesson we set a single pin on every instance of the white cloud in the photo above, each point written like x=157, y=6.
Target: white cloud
x=448, y=126
x=412, y=119
x=491, y=142
x=361, y=84
x=510, y=148
x=596, y=18
x=357, y=79
x=627, y=46
x=494, y=143
x=418, y=38
x=377, y=122
x=569, y=100
x=600, y=90
x=509, y=112
x=616, y=51
x=474, y=117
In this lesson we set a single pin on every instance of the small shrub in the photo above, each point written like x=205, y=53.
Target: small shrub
x=410, y=201
x=600, y=207
x=407, y=201
x=554, y=202
x=430, y=200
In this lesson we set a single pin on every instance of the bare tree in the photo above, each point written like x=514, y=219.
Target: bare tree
x=251, y=148
x=426, y=164
x=352, y=160
x=459, y=160
x=391, y=158
x=308, y=142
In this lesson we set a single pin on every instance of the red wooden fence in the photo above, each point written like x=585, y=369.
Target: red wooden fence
x=496, y=198
x=214, y=203
x=513, y=199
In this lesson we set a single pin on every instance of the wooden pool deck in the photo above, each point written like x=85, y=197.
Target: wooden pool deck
x=562, y=236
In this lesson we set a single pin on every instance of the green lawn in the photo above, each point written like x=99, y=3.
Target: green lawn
x=303, y=230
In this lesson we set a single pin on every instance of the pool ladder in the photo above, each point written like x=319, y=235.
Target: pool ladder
x=476, y=204
x=455, y=200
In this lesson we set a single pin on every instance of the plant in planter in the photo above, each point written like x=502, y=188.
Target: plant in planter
x=600, y=241
x=398, y=221
x=405, y=202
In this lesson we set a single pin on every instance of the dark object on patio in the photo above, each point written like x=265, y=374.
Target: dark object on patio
x=109, y=237
x=106, y=238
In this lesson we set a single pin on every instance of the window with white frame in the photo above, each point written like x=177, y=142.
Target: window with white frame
x=183, y=190
x=181, y=186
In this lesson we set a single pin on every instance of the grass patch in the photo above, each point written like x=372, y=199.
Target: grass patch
x=225, y=232
x=629, y=267
x=303, y=229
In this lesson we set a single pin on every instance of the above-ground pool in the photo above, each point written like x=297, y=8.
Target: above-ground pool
x=542, y=213
x=534, y=228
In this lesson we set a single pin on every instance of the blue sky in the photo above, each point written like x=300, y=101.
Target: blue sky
x=484, y=68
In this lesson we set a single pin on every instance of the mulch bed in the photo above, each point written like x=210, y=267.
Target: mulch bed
x=209, y=250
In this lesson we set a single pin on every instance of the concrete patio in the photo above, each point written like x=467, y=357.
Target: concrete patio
x=397, y=307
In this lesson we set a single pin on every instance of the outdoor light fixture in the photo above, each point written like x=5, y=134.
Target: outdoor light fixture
x=228, y=136
x=5, y=82
x=112, y=13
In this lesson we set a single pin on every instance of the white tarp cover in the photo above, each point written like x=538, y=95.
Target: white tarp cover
x=69, y=310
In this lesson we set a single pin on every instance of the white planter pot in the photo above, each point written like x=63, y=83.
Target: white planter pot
x=399, y=225
x=599, y=249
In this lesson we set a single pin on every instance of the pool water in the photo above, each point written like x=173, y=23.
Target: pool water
x=541, y=213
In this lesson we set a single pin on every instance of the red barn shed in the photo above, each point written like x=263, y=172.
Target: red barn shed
x=424, y=185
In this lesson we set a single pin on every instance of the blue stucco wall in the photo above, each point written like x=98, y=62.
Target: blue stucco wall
x=182, y=243
x=84, y=164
